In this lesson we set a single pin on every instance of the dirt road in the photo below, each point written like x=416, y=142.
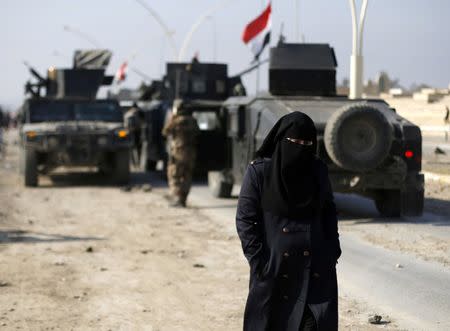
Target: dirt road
x=79, y=256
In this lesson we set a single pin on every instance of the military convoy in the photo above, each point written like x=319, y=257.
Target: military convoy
x=369, y=149
x=68, y=126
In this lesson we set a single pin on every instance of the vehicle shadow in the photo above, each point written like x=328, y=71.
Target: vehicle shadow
x=85, y=179
x=361, y=210
x=21, y=236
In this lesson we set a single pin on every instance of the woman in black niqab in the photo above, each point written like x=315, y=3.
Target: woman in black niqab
x=287, y=224
x=289, y=184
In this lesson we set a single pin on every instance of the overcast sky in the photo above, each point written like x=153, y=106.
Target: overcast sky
x=407, y=38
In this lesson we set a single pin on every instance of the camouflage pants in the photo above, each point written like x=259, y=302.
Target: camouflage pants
x=179, y=175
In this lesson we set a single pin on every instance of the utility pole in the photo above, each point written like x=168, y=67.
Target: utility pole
x=356, y=59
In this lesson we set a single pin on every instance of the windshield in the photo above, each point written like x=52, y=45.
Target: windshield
x=80, y=111
x=97, y=112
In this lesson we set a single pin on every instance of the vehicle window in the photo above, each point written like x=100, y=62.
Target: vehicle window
x=220, y=87
x=206, y=120
x=107, y=112
x=198, y=86
x=50, y=112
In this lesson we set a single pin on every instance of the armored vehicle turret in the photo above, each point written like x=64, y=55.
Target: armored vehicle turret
x=68, y=126
x=368, y=147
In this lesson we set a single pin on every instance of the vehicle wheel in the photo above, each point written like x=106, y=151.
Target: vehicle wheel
x=388, y=203
x=30, y=167
x=22, y=162
x=122, y=167
x=358, y=137
x=220, y=184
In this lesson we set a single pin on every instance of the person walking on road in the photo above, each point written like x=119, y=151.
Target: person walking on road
x=182, y=131
x=286, y=221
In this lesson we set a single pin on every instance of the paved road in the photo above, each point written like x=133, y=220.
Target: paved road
x=417, y=296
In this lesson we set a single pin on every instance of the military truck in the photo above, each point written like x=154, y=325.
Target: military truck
x=369, y=149
x=68, y=126
x=203, y=87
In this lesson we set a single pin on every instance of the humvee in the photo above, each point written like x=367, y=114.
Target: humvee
x=69, y=126
x=369, y=149
x=203, y=87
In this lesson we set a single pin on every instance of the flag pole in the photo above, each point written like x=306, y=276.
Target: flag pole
x=257, y=76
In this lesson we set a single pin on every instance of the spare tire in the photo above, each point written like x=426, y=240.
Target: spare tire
x=358, y=137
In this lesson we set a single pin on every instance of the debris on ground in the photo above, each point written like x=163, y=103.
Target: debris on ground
x=198, y=265
x=89, y=249
x=4, y=284
x=399, y=266
x=378, y=319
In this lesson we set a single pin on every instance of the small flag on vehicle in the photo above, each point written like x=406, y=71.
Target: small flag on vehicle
x=257, y=33
x=121, y=74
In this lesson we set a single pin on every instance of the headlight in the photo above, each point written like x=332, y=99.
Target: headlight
x=31, y=134
x=122, y=133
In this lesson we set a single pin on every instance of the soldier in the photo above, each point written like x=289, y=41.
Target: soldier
x=182, y=132
x=133, y=120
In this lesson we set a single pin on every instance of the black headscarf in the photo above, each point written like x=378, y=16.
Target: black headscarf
x=290, y=185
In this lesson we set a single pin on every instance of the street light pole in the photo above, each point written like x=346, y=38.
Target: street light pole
x=356, y=59
x=82, y=35
x=196, y=25
x=297, y=21
x=169, y=33
x=214, y=38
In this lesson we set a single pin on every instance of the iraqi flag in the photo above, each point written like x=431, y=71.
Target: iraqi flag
x=257, y=33
x=121, y=74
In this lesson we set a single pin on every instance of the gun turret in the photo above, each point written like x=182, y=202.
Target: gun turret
x=81, y=81
x=302, y=69
x=195, y=80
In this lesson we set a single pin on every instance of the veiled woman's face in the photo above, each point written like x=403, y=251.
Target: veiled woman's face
x=300, y=141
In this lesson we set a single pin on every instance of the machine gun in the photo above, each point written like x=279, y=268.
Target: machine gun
x=35, y=88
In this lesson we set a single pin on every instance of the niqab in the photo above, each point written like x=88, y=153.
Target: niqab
x=289, y=183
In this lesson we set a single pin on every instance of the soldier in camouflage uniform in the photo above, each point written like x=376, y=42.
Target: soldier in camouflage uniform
x=182, y=132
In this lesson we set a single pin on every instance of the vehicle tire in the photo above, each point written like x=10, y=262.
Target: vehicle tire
x=388, y=203
x=122, y=167
x=220, y=184
x=30, y=167
x=358, y=137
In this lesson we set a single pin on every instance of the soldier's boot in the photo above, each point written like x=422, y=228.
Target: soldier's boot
x=179, y=201
x=177, y=204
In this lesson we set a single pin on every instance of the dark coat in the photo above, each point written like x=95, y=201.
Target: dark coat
x=292, y=261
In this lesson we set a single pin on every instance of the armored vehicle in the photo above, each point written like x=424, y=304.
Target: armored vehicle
x=68, y=126
x=369, y=149
x=203, y=87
